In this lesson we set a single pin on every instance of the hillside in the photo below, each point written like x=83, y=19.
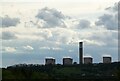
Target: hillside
x=85, y=72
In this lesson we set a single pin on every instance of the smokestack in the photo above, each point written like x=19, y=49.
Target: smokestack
x=80, y=52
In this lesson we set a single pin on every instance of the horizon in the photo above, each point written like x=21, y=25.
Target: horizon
x=60, y=64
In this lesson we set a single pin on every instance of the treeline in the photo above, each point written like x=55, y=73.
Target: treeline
x=84, y=72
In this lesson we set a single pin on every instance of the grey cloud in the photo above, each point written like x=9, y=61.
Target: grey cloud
x=52, y=17
x=109, y=21
x=114, y=8
x=83, y=24
x=7, y=21
x=6, y=35
x=109, y=38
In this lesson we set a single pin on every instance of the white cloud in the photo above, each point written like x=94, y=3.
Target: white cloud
x=28, y=47
x=70, y=50
x=56, y=48
x=94, y=42
x=9, y=49
x=63, y=35
x=48, y=48
x=26, y=33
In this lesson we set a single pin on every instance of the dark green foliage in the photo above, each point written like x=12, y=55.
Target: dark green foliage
x=84, y=72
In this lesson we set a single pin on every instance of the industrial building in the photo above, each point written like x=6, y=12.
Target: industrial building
x=88, y=60
x=49, y=61
x=80, y=52
x=107, y=59
x=85, y=60
x=67, y=61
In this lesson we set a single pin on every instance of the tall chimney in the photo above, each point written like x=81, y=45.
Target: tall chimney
x=80, y=52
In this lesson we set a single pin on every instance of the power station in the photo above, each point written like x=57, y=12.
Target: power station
x=69, y=61
x=107, y=59
x=50, y=61
x=88, y=60
x=80, y=52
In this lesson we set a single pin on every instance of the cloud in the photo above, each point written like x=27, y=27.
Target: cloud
x=28, y=47
x=44, y=48
x=9, y=49
x=7, y=35
x=114, y=8
x=51, y=17
x=7, y=21
x=33, y=34
x=103, y=37
x=62, y=35
x=50, y=48
x=83, y=24
x=110, y=19
x=56, y=48
x=45, y=33
x=93, y=42
x=70, y=50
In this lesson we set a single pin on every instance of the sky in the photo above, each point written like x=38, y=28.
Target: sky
x=33, y=30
